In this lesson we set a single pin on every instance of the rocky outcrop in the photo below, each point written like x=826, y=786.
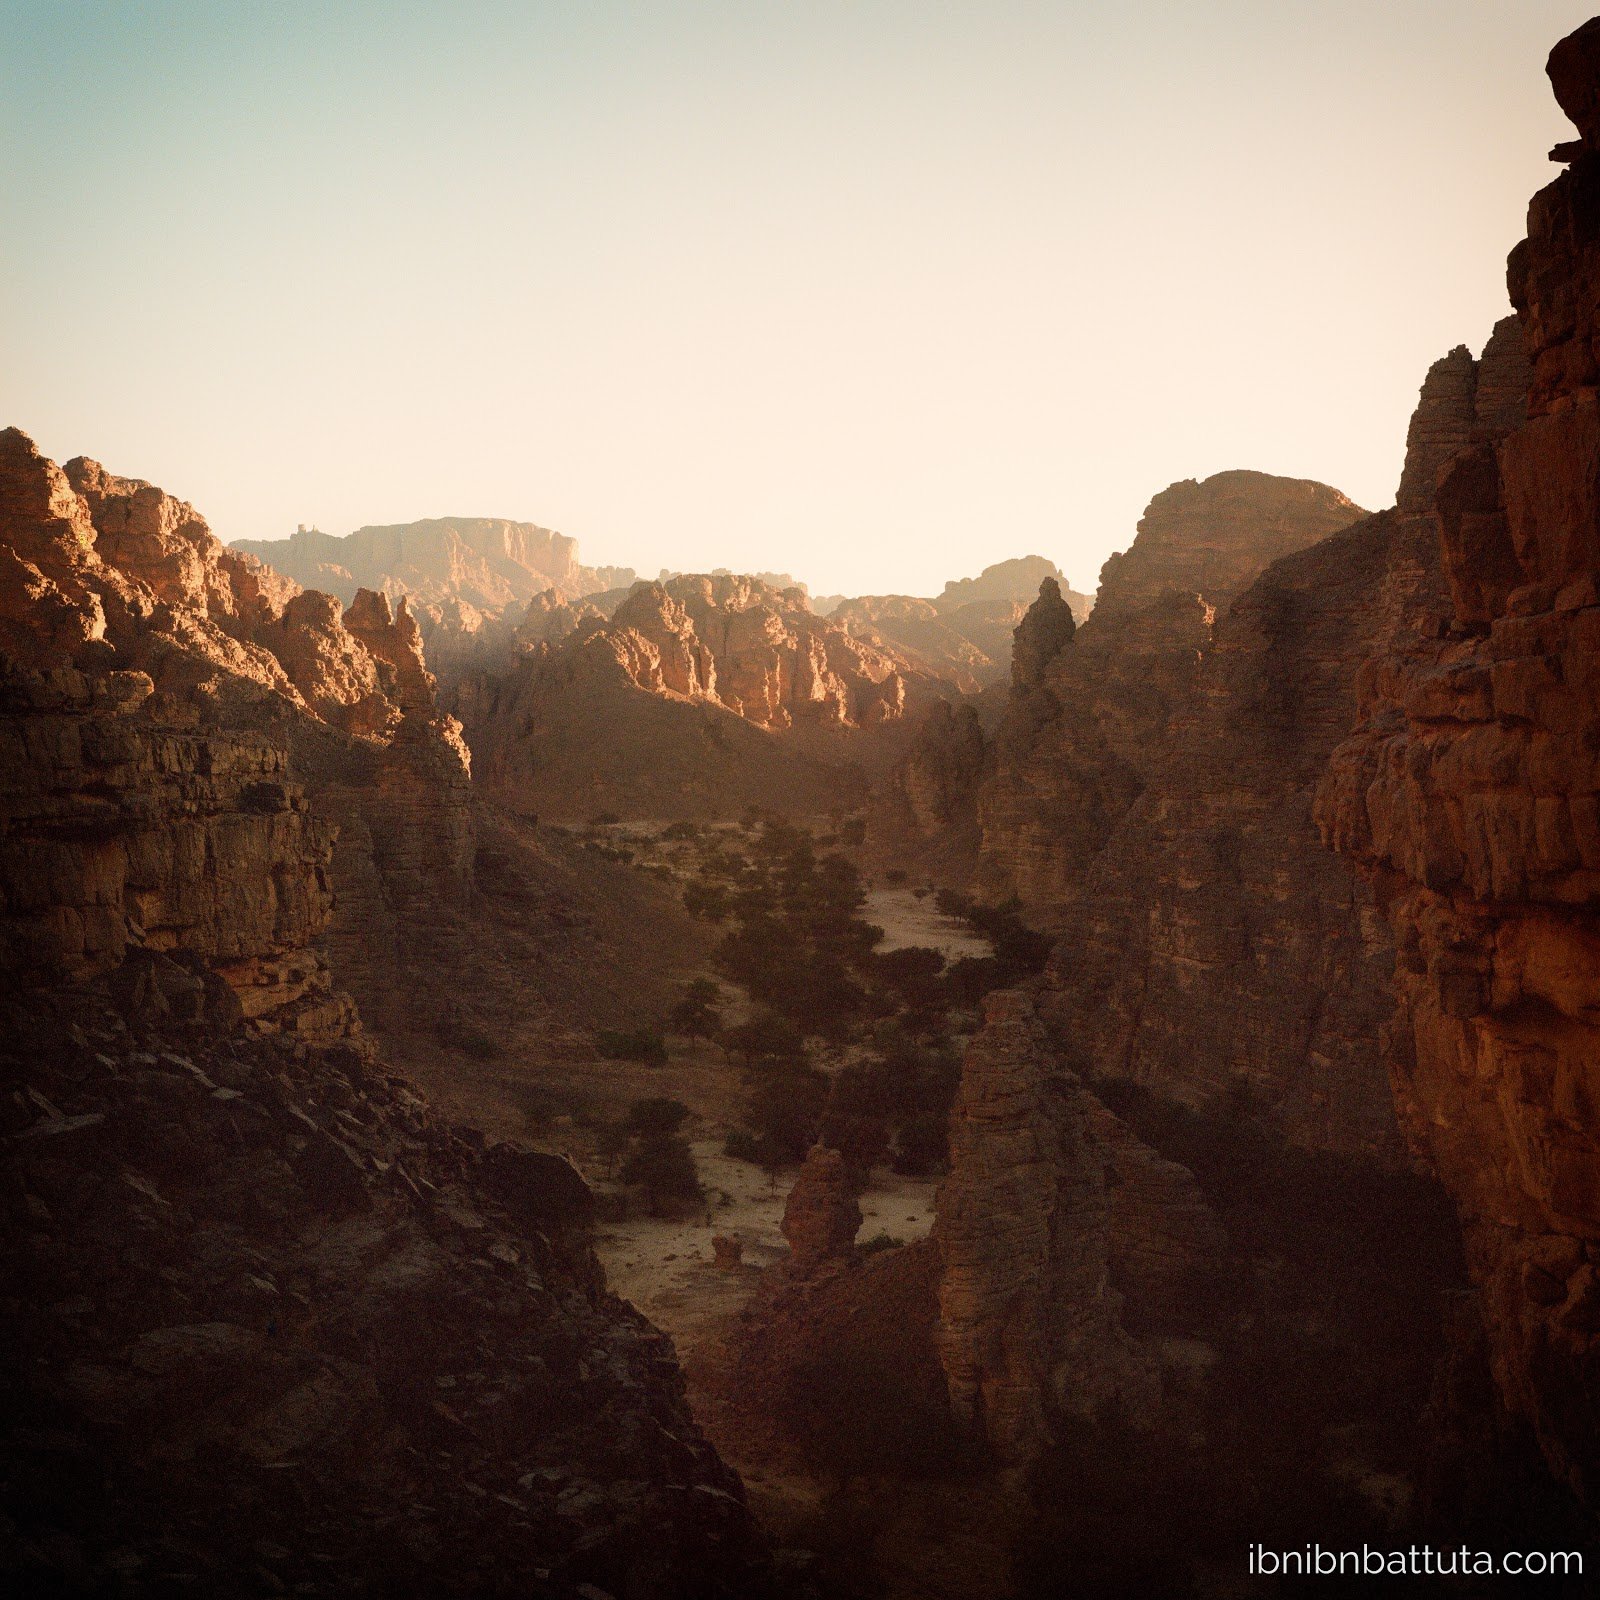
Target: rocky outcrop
x=1215, y=950
x=227, y=1220
x=275, y=1327
x=822, y=1215
x=780, y=665
x=1469, y=796
x=125, y=835
x=690, y=681
x=1012, y=582
x=113, y=572
x=914, y=630
x=1463, y=402
x=924, y=814
x=1090, y=716
x=963, y=638
x=1057, y=1233
x=485, y=562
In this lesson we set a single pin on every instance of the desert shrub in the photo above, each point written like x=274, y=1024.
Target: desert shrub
x=604, y=819
x=698, y=1013
x=914, y=974
x=766, y=1036
x=675, y=831
x=663, y=1165
x=656, y=1115
x=742, y=1145
x=968, y=979
x=1020, y=950
x=708, y=901
x=858, y=1114
x=784, y=1111
x=633, y=1044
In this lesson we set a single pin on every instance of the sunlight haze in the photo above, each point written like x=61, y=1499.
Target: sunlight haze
x=873, y=294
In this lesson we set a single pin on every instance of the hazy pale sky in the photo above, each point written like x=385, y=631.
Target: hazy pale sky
x=874, y=293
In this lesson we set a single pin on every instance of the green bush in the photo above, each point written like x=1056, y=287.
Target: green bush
x=663, y=1166
x=636, y=1044
x=698, y=1013
x=656, y=1115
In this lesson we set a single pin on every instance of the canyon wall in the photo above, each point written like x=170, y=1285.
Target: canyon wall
x=274, y=1326
x=1083, y=728
x=1058, y=1232
x=697, y=697
x=1468, y=795
x=228, y=642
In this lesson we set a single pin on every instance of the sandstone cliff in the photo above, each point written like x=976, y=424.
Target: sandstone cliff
x=963, y=637
x=484, y=562
x=1468, y=795
x=1037, y=1220
x=696, y=697
x=226, y=1219
x=1083, y=728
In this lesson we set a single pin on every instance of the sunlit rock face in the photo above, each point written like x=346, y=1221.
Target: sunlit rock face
x=126, y=834
x=698, y=696
x=486, y=562
x=231, y=1218
x=1469, y=796
x=109, y=572
x=1086, y=722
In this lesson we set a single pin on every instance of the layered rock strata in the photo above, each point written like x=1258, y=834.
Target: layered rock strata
x=139, y=582
x=1052, y=1215
x=226, y=1220
x=1089, y=716
x=485, y=562
x=1469, y=797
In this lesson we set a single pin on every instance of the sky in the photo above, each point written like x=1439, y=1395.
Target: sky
x=871, y=293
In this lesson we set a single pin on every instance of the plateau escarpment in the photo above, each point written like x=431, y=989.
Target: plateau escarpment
x=1469, y=797
x=486, y=562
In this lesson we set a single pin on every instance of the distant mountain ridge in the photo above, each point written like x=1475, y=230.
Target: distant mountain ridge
x=487, y=562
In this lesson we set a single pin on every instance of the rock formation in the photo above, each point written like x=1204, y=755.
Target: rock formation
x=1050, y=1208
x=1469, y=796
x=923, y=815
x=691, y=683
x=227, y=1219
x=1012, y=582
x=126, y=835
x=485, y=562
x=1086, y=723
x=963, y=638
x=822, y=1216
